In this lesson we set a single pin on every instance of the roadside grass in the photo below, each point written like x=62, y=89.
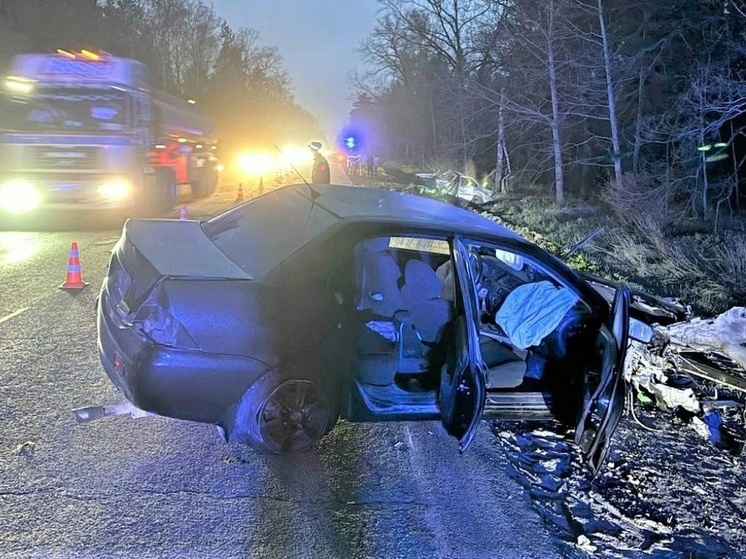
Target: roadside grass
x=703, y=269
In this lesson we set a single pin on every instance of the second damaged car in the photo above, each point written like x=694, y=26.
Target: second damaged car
x=278, y=316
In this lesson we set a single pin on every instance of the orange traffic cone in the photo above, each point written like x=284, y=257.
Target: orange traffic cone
x=239, y=198
x=182, y=213
x=73, y=279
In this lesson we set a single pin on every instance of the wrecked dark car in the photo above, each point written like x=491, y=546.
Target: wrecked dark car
x=278, y=316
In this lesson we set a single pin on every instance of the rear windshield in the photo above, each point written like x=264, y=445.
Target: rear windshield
x=263, y=232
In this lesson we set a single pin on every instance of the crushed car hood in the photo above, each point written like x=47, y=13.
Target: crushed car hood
x=180, y=249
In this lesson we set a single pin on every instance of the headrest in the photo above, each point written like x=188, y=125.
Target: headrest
x=376, y=244
x=420, y=276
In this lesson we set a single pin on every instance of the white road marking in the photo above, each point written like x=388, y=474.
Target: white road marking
x=13, y=314
x=409, y=438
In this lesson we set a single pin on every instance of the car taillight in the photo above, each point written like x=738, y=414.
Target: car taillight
x=161, y=327
x=118, y=281
x=119, y=365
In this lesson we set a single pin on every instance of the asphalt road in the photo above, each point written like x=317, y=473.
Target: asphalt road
x=156, y=487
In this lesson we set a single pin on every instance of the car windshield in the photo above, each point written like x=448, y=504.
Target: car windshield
x=90, y=110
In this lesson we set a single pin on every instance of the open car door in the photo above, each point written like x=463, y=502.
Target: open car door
x=462, y=383
x=603, y=408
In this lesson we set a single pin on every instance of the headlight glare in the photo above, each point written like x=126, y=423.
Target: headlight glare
x=115, y=189
x=18, y=196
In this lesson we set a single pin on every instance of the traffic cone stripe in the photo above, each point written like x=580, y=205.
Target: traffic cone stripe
x=73, y=279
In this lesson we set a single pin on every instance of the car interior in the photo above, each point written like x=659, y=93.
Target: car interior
x=529, y=324
x=400, y=315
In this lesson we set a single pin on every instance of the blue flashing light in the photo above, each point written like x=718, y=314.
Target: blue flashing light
x=353, y=140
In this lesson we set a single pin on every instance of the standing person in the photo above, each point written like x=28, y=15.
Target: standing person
x=376, y=163
x=371, y=167
x=320, y=173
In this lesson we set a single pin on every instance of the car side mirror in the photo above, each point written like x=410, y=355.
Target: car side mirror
x=639, y=331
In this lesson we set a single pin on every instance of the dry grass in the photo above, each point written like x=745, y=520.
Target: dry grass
x=705, y=270
x=638, y=199
x=729, y=265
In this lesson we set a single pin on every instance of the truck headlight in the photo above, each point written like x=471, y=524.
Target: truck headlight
x=115, y=189
x=18, y=196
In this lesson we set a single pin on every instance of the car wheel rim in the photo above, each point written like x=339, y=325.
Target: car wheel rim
x=294, y=416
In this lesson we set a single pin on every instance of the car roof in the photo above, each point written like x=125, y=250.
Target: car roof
x=262, y=232
x=373, y=203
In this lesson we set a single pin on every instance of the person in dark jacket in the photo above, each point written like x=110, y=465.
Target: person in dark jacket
x=320, y=173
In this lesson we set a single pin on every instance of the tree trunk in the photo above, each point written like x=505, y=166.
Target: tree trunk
x=613, y=124
x=432, y=123
x=638, y=124
x=499, y=187
x=559, y=180
x=736, y=182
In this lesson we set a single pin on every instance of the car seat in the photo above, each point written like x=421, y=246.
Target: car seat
x=416, y=320
x=379, y=300
x=378, y=278
x=505, y=369
x=428, y=312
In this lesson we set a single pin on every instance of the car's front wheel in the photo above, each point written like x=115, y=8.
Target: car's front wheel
x=282, y=413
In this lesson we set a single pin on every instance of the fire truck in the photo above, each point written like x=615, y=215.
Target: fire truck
x=87, y=131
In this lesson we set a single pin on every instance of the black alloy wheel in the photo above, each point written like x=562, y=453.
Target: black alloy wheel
x=284, y=413
x=294, y=416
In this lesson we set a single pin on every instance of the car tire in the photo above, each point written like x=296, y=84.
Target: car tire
x=282, y=413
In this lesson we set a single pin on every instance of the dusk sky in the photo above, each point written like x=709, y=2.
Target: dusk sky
x=318, y=42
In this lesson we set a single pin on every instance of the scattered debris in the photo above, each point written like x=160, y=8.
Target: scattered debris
x=698, y=363
x=585, y=544
x=25, y=449
x=687, y=368
x=726, y=333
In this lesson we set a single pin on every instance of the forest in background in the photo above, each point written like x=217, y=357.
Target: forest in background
x=190, y=51
x=626, y=115
x=644, y=96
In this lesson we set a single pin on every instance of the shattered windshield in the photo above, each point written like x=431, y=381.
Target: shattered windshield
x=88, y=110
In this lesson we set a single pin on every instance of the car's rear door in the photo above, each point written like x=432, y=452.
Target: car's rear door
x=462, y=387
x=604, y=403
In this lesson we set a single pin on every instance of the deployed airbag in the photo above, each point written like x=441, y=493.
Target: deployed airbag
x=532, y=311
